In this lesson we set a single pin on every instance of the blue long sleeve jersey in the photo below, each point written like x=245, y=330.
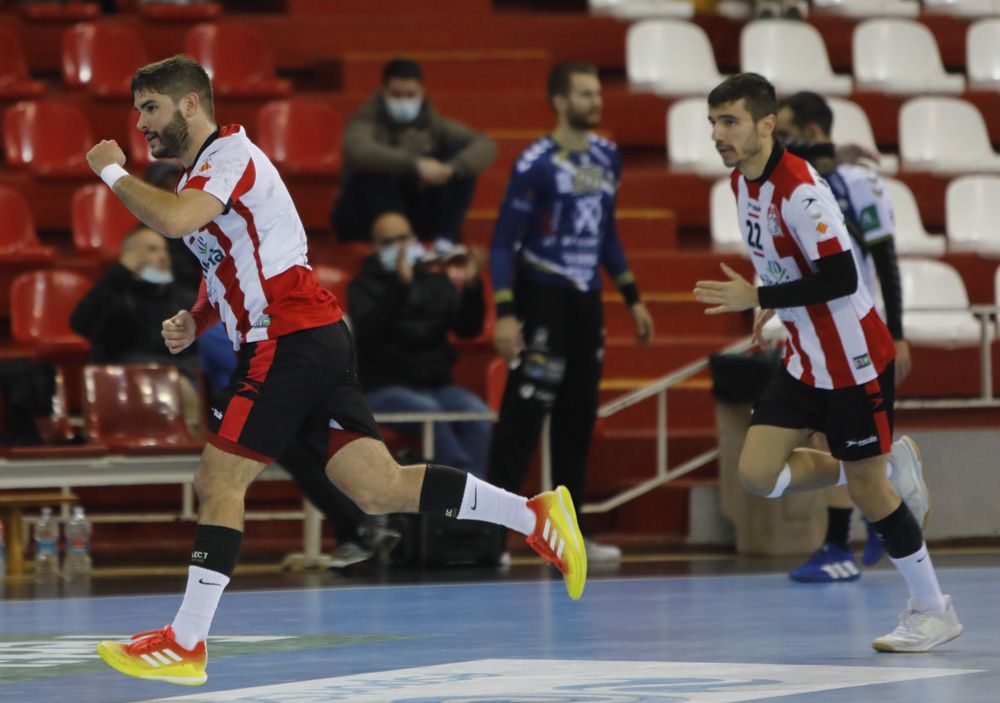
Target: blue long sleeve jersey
x=557, y=222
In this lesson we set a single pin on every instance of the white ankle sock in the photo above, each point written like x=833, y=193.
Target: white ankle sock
x=918, y=572
x=194, y=619
x=484, y=501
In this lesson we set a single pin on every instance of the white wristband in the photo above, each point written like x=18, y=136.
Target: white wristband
x=111, y=173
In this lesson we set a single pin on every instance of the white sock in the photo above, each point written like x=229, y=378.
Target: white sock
x=842, y=480
x=484, y=501
x=194, y=619
x=918, y=572
x=784, y=478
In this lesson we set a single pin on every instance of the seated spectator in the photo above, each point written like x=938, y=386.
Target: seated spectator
x=123, y=313
x=401, y=155
x=401, y=313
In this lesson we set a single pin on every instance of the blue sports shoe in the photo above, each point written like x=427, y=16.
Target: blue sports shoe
x=874, y=549
x=828, y=564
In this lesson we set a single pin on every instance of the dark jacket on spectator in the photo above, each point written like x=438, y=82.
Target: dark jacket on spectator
x=402, y=331
x=122, y=317
x=373, y=143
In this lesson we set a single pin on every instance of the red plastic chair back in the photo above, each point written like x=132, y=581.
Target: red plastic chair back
x=237, y=57
x=301, y=136
x=17, y=234
x=102, y=57
x=14, y=77
x=334, y=280
x=135, y=407
x=40, y=305
x=496, y=381
x=100, y=222
x=48, y=137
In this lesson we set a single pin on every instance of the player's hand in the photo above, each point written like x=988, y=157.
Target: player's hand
x=404, y=267
x=904, y=364
x=432, y=172
x=105, y=153
x=856, y=153
x=643, y=324
x=759, y=321
x=179, y=332
x=507, y=337
x=734, y=295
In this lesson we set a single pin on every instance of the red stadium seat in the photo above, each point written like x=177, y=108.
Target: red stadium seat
x=100, y=222
x=301, y=136
x=18, y=240
x=496, y=380
x=48, y=138
x=40, y=305
x=15, y=81
x=64, y=11
x=334, y=280
x=102, y=57
x=238, y=59
x=136, y=409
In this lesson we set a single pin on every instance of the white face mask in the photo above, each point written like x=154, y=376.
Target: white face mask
x=158, y=277
x=403, y=110
x=390, y=255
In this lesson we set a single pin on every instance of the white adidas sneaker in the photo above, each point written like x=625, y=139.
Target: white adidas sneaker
x=921, y=630
x=908, y=478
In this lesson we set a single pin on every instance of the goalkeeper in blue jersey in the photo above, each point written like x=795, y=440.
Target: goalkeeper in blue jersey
x=555, y=229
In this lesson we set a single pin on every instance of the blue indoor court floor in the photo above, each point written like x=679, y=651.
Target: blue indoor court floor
x=642, y=638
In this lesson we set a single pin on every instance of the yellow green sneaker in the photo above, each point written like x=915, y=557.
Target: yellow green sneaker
x=155, y=655
x=557, y=537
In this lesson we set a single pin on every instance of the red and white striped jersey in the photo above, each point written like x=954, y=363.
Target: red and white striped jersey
x=791, y=220
x=254, y=255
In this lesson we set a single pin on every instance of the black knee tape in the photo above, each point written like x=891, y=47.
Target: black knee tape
x=443, y=490
x=216, y=548
x=900, y=532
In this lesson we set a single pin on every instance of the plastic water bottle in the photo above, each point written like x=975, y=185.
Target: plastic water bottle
x=46, y=548
x=78, y=563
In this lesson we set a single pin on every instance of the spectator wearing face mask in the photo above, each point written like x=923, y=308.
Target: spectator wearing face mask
x=122, y=315
x=401, y=155
x=401, y=312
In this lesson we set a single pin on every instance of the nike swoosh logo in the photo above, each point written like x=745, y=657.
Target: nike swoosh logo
x=475, y=497
x=921, y=559
x=208, y=583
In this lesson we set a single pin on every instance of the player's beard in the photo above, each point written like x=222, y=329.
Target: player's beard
x=174, y=139
x=583, y=120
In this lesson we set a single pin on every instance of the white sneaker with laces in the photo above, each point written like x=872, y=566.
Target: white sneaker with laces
x=921, y=630
x=908, y=478
x=601, y=553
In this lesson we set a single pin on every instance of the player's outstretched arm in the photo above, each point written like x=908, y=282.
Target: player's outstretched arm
x=735, y=295
x=171, y=215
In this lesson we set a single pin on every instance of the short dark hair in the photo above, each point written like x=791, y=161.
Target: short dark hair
x=176, y=77
x=407, y=69
x=809, y=108
x=756, y=90
x=561, y=76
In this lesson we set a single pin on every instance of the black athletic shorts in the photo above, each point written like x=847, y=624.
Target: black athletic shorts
x=304, y=382
x=857, y=420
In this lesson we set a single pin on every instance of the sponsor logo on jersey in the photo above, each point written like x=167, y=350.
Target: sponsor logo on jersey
x=263, y=323
x=821, y=227
x=862, y=442
x=862, y=361
x=204, y=167
x=869, y=219
x=773, y=221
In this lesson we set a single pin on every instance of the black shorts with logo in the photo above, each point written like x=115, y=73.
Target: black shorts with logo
x=857, y=420
x=300, y=384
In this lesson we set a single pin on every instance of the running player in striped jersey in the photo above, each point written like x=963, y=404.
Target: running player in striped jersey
x=838, y=375
x=805, y=124
x=296, y=376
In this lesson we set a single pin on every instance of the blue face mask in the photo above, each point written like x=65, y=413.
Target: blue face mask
x=390, y=255
x=158, y=277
